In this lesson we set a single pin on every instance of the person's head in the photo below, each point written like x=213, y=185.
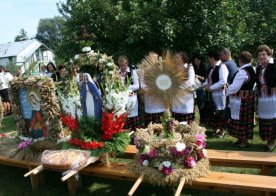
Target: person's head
x=213, y=56
x=264, y=54
x=197, y=60
x=51, y=67
x=225, y=54
x=123, y=63
x=34, y=100
x=81, y=76
x=42, y=68
x=19, y=72
x=62, y=70
x=181, y=58
x=1, y=68
x=245, y=57
x=85, y=77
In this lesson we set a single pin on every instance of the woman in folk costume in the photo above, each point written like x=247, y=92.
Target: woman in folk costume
x=153, y=108
x=266, y=83
x=183, y=107
x=241, y=99
x=126, y=73
x=215, y=99
x=91, y=100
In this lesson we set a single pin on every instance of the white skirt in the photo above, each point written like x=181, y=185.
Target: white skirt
x=184, y=105
x=235, y=105
x=219, y=98
x=267, y=106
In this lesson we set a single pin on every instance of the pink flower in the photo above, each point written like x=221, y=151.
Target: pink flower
x=200, y=137
x=151, y=153
x=166, y=167
x=189, y=162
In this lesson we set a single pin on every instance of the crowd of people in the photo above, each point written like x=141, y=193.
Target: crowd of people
x=228, y=96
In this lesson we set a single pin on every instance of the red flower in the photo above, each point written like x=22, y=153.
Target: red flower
x=92, y=145
x=112, y=126
x=70, y=122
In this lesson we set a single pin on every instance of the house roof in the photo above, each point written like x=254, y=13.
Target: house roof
x=15, y=48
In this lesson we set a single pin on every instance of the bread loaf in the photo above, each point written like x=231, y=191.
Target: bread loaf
x=63, y=159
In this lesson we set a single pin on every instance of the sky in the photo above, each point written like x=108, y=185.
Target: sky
x=24, y=14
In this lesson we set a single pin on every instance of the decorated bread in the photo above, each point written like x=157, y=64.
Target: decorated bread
x=64, y=159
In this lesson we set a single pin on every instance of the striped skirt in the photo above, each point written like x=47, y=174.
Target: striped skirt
x=267, y=129
x=152, y=118
x=243, y=128
x=132, y=123
x=184, y=117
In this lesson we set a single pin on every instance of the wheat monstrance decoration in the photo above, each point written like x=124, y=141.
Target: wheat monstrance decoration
x=163, y=79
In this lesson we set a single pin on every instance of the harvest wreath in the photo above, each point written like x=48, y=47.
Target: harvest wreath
x=166, y=161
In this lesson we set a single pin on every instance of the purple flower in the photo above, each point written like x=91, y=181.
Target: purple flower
x=166, y=167
x=136, y=142
x=167, y=170
x=180, y=150
x=189, y=162
x=24, y=144
x=200, y=145
x=200, y=155
x=170, y=125
x=151, y=153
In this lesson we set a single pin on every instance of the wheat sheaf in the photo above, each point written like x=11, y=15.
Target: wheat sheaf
x=151, y=67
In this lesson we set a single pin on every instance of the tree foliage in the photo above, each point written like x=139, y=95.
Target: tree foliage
x=21, y=36
x=135, y=27
x=49, y=32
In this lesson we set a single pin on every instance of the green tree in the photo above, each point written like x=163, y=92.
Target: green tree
x=138, y=26
x=21, y=36
x=49, y=31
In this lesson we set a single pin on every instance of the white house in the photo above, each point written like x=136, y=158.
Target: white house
x=23, y=53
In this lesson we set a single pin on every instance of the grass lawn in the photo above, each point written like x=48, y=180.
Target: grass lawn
x=13, y=183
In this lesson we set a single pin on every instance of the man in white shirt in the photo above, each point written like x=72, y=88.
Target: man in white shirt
x=4, y=91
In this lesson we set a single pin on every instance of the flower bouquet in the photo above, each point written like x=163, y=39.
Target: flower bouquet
x=106, y=135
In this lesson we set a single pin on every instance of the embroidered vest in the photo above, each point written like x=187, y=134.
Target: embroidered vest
x=249, y=84
x=269, y=76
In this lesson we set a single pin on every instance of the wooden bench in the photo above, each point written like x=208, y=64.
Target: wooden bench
x=216, y=181
x=265, y=161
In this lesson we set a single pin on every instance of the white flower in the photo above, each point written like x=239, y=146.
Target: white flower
x=86, y=49
x=109, y=64
x=183, y=123
x=204, y=151
x=160, y=167
x=77, y=57
x=166, y=163
x=146, y=149
x=145, y=163
x=110, y=72
x=180, y=146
